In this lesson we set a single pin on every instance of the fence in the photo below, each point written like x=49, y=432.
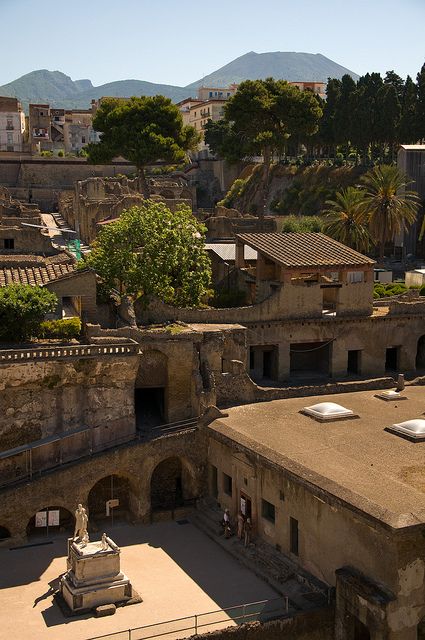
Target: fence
x=69, y=351
x=57, y=451
x=262, y=611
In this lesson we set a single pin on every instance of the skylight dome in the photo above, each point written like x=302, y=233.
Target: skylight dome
x=411, y=429
x=390, y=394
x=324, y=411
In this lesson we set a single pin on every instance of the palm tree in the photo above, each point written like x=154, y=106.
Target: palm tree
x=390, y=207
x=346, y=220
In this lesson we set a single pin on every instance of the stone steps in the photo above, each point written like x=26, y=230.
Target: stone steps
x=266, y=562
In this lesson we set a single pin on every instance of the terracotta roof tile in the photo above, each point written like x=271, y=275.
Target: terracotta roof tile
x=34, y=276
x=298, y=250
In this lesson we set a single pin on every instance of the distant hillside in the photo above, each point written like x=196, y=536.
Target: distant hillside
x=59, y=90
x=280, y=65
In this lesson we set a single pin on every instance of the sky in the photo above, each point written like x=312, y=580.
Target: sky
x=177, y=42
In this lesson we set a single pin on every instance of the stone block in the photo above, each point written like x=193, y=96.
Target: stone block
x=105, y=610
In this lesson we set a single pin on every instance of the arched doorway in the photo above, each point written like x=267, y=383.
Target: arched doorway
x=50, y=520
x=151, y=390
x=4, y=533
x=420, y=353
x=109, y=499
x=172, y=485
x=361, y=632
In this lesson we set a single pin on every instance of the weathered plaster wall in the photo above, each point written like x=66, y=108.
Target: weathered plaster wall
x=39, y=399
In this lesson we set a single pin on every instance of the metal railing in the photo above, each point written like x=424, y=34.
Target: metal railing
x=30, y=462
x=262, y=611
x=68, y=351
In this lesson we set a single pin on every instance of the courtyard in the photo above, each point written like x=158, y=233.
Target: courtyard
x=174, y=567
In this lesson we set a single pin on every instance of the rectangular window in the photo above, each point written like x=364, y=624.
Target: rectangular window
x=83, y=140
x=9, y=243
x=293, y=533
x=268, y=511
x=227, y=484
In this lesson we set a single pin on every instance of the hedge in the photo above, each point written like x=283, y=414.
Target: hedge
x=66, y=328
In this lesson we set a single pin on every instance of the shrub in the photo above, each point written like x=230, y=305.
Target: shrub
x=422, y=290
x=226, y=299
x=22, y=309
x=61, y=154
x=46, y=154
x=66, y=328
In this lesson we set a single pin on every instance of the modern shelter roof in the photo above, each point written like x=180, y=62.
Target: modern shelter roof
x=304, y=250
x=358, y=461
x=227, y=251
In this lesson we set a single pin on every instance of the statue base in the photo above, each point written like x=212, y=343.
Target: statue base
x=94, y=577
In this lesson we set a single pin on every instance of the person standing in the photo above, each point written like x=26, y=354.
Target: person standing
x=241, y=522
x=248, y=530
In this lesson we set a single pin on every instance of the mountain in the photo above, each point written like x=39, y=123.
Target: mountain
x=59, y=90
x=285, y=65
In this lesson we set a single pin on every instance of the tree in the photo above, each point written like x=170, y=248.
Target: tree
x=151, y=251
x=22, y=309
x=343, y=115
x=387, y=127
x=346, y=221
x=407, y=129
x=261, y=116
x=327, y=123
x=142, y=130
x=420, y=104
x=390, y=207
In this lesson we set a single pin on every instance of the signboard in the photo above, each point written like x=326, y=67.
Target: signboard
x=110, y=504
x=53, y=518
x=41, y=519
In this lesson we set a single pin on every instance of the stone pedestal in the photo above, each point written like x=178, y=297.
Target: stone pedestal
x=94, y=577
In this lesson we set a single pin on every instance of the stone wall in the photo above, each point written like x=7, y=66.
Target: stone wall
x=96, y=200
x=135, y=462
x=314, y=625
x=43, y=398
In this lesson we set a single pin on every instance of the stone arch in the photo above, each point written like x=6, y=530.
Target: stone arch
x=119, y=486
x=4, y=533
x=66, y=521
x=151, y=390
x=420, y=353
x=173, y=483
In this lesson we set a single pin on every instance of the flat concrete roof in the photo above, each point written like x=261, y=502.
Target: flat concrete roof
x=355, y=460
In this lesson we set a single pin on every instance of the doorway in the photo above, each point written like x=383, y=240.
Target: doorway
x=245, y=505
x=149, y=406
x=353, y=361
x=392, y=357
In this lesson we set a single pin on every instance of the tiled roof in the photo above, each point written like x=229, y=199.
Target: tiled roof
x=227, y=251
x=298, y=250
x=34, y=276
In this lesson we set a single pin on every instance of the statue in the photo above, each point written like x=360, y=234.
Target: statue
x=81, y=523
x=104, y=542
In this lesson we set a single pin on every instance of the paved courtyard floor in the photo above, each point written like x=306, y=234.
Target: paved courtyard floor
x=177, y=570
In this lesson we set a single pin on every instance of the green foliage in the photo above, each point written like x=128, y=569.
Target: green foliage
x=82, y=153
x=422, y=291
x=226, y=299
x=388, y=205
x=381, y=290
x=302, y=224
x=22, y=308
x=346, y=220
x=260, y=117
x=236, y=191
x=46, y=154
x=142, y=130
x=65, y=328
x=151, y=251
x=61, y=154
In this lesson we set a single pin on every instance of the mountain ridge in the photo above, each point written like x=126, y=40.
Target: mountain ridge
x=59, y=90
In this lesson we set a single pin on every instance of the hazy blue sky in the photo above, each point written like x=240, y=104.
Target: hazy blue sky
x=177, y=42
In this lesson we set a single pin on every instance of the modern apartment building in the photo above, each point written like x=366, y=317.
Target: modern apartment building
x=12, y=124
